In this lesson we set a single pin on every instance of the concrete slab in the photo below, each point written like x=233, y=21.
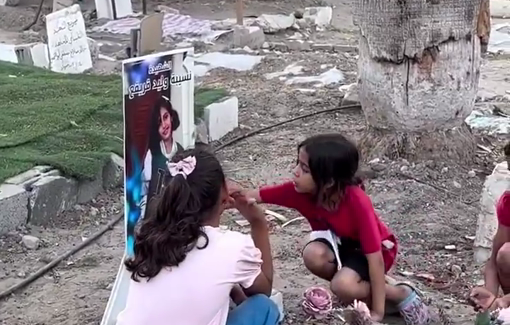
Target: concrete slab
x=222, y=117
x=251, y=36
x=50, y=196
x=13, y=207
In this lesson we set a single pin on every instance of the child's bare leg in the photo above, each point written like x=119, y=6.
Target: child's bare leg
x=348, y=286
x=503, y=266
x=320, y=260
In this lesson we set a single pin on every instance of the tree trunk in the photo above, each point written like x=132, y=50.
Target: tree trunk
x=483, y=27
x=419, y=65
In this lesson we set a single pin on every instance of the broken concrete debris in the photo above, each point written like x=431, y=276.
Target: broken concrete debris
x=39, y=195
x=30, y=242
x=350, y=94
x=274, y=23
x=309, y=17
x=251, y=36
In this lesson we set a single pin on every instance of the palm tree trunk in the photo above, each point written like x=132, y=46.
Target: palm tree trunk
x=419, y=65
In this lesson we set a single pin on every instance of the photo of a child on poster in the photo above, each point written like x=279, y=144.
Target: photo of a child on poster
x=158, y=123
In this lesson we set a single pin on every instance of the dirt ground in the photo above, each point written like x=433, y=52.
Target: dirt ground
x=428, y=204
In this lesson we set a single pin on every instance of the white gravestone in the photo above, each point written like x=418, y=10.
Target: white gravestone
x=67, y=41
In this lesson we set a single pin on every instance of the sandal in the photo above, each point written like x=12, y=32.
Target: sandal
x=413, y=310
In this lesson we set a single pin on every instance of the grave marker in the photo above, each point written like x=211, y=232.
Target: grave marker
x=150, y=83
x=69, y=50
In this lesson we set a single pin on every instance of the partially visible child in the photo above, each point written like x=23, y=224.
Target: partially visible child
x=327, y=193
x=497, y=269
x=185, y=267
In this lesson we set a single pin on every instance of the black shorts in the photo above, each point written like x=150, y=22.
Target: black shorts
x=350, y=255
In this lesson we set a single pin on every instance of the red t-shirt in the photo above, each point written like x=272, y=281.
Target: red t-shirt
x=355, y=218
x=503, y=209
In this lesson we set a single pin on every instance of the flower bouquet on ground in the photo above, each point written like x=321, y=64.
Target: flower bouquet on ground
x=497, y=317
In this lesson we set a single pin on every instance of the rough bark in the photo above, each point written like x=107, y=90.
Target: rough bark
x=483, y=27
x=419, y=66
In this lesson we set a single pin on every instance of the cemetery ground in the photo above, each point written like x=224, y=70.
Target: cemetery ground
x=432, y=206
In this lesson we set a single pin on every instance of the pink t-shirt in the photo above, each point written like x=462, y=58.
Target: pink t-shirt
x=198, y=290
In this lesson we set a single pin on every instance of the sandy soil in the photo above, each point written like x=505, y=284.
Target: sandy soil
x=428, y=204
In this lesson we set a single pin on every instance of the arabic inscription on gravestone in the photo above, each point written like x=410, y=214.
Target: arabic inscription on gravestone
x=67, y=41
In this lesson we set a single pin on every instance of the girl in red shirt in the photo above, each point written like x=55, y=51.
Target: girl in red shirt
x=327, y=193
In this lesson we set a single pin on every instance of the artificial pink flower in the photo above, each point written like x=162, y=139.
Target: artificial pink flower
x=317, y=302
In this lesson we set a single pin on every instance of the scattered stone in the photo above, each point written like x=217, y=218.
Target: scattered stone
x=373, y=161
x=299, y=13
x=444, y=170
x=330, y=77
x=21, y=274
x=30, y=242
x=450, y=247
x=318, y=16
x=94, y=211
x=166, y=9
x=279, y=46
x=345, y=49
x=301, y=24
x=471, y=173
x=456, y=270
x=484, y=95
x=222, y=117
x=251, y=36
x=265, y=45
x=274, y=23
x=306, y=90
x=351, y=96
x=13, y=207
x=298, y=45
x=322, y=47
x=404, y=168
x=502, y=108
x=457, y=184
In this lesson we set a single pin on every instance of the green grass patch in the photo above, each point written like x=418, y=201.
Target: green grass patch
x=205, y=96
x=70, y=122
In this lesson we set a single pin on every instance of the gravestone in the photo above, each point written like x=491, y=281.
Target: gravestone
x=104, y=8
x=69, y=50
x=151, y=34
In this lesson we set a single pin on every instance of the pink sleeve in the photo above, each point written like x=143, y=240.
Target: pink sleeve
x=368, y=222
x=283, y=195
x=249, y=262
x=503, y=209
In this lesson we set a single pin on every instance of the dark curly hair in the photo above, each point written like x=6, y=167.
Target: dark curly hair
x=175, y=221
x=333, y=162
x=155, y=121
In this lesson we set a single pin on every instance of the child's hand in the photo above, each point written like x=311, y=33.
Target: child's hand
x=235, y=189
x=247, y=207
x=482, y=299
